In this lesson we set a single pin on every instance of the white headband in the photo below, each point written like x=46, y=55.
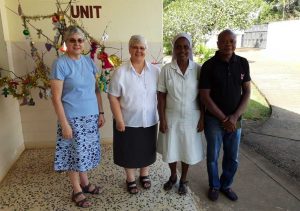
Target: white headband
x=188, y=37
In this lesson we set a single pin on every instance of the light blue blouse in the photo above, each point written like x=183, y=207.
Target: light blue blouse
x=78, y=94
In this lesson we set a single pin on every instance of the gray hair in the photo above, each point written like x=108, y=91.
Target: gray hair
x=189, y=39
x=70, y=30
x=134, y=39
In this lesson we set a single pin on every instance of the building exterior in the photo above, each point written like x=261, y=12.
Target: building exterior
x=35, y=126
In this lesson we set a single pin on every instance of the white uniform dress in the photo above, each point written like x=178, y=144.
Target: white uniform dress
x=181, y=142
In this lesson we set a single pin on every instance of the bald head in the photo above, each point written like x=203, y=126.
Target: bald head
x=226, y=32
x=226, y=43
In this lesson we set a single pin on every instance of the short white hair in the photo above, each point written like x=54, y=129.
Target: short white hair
x=72, y=29
x=134, y=39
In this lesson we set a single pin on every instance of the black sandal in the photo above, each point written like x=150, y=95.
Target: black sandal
x=86, y=189
x=145, y=182
x=84, y=203
x=169, y=184
x=132, y=187
x=182, y=190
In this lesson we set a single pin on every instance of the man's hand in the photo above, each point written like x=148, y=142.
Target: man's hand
x=229, y=123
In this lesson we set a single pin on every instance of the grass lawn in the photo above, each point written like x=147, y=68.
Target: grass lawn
x=258, y=107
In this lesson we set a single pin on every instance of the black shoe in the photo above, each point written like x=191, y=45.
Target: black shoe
x=169, y=184
x=182, y=190
x=213, y=194
x=230, y=194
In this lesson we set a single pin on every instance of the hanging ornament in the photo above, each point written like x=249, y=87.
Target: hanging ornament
x=5, y=92
x=34, y=52
x=104, y=37
x=39, y=32
x=47, y=93
x=26, y=32
x=114, y=60
x=48, y=46
x=55, y=18
x=104, y=59
x=25, y=101
x=31, y=102
x=63, y=48
x=20, y=12
x=13, y=84
x=41, y=94
x=102, y=55
x=94, y=46
x=61, y=17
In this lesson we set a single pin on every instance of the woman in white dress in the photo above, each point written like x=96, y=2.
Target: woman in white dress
x=181, y=123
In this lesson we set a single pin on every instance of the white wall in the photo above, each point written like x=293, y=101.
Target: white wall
x=11, y=138
x=283, y=40
x=123, y=20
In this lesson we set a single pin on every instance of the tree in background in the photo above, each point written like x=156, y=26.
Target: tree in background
x=201, y=18
x=275, y=10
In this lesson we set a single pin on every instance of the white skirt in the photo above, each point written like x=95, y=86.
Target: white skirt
x=182, y=142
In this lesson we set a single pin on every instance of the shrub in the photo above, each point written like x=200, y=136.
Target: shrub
x=203, y=53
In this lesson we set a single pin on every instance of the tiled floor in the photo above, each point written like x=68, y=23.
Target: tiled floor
x=33, y=185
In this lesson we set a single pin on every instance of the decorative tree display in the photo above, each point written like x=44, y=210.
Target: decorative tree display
x=20, y=87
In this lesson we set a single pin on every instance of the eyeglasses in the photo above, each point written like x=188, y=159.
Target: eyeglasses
x=138, y=48
x=72, y=40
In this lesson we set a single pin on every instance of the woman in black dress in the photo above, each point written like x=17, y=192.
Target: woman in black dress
x=133, y=101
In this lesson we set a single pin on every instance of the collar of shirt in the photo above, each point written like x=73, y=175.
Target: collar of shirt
x=232, y=59
x=175, y=66
x=131, y=68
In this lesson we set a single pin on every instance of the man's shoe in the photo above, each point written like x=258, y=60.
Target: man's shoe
x=213, y=194
x=230, y=194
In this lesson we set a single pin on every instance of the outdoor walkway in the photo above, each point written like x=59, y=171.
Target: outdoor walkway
x=278, y=78
x=33, y=185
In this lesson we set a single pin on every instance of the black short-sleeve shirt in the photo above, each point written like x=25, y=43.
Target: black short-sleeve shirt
x=225, y=79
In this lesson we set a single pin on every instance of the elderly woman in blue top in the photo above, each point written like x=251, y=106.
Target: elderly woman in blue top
x=179, y=139
x=78, y=105
x=133, y=101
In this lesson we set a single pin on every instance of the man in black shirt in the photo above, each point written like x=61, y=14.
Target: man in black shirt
x=225, y=92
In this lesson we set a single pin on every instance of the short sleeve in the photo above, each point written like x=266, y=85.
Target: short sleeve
x=205, y=79
x=198, y=71
x=94, y=66
x=161, y=86
x=246, y=69
x=57, y=72
x=114, y=87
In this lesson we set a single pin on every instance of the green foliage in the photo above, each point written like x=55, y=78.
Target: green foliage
x=167, y=2
x=258, y=108
x=275, y=10
x=203, y=53
x=167, y=48
x=201, y=18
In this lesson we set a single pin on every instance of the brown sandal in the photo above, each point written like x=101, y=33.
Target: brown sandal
x=86, y=189
x=145, y=182
x=84, y=203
